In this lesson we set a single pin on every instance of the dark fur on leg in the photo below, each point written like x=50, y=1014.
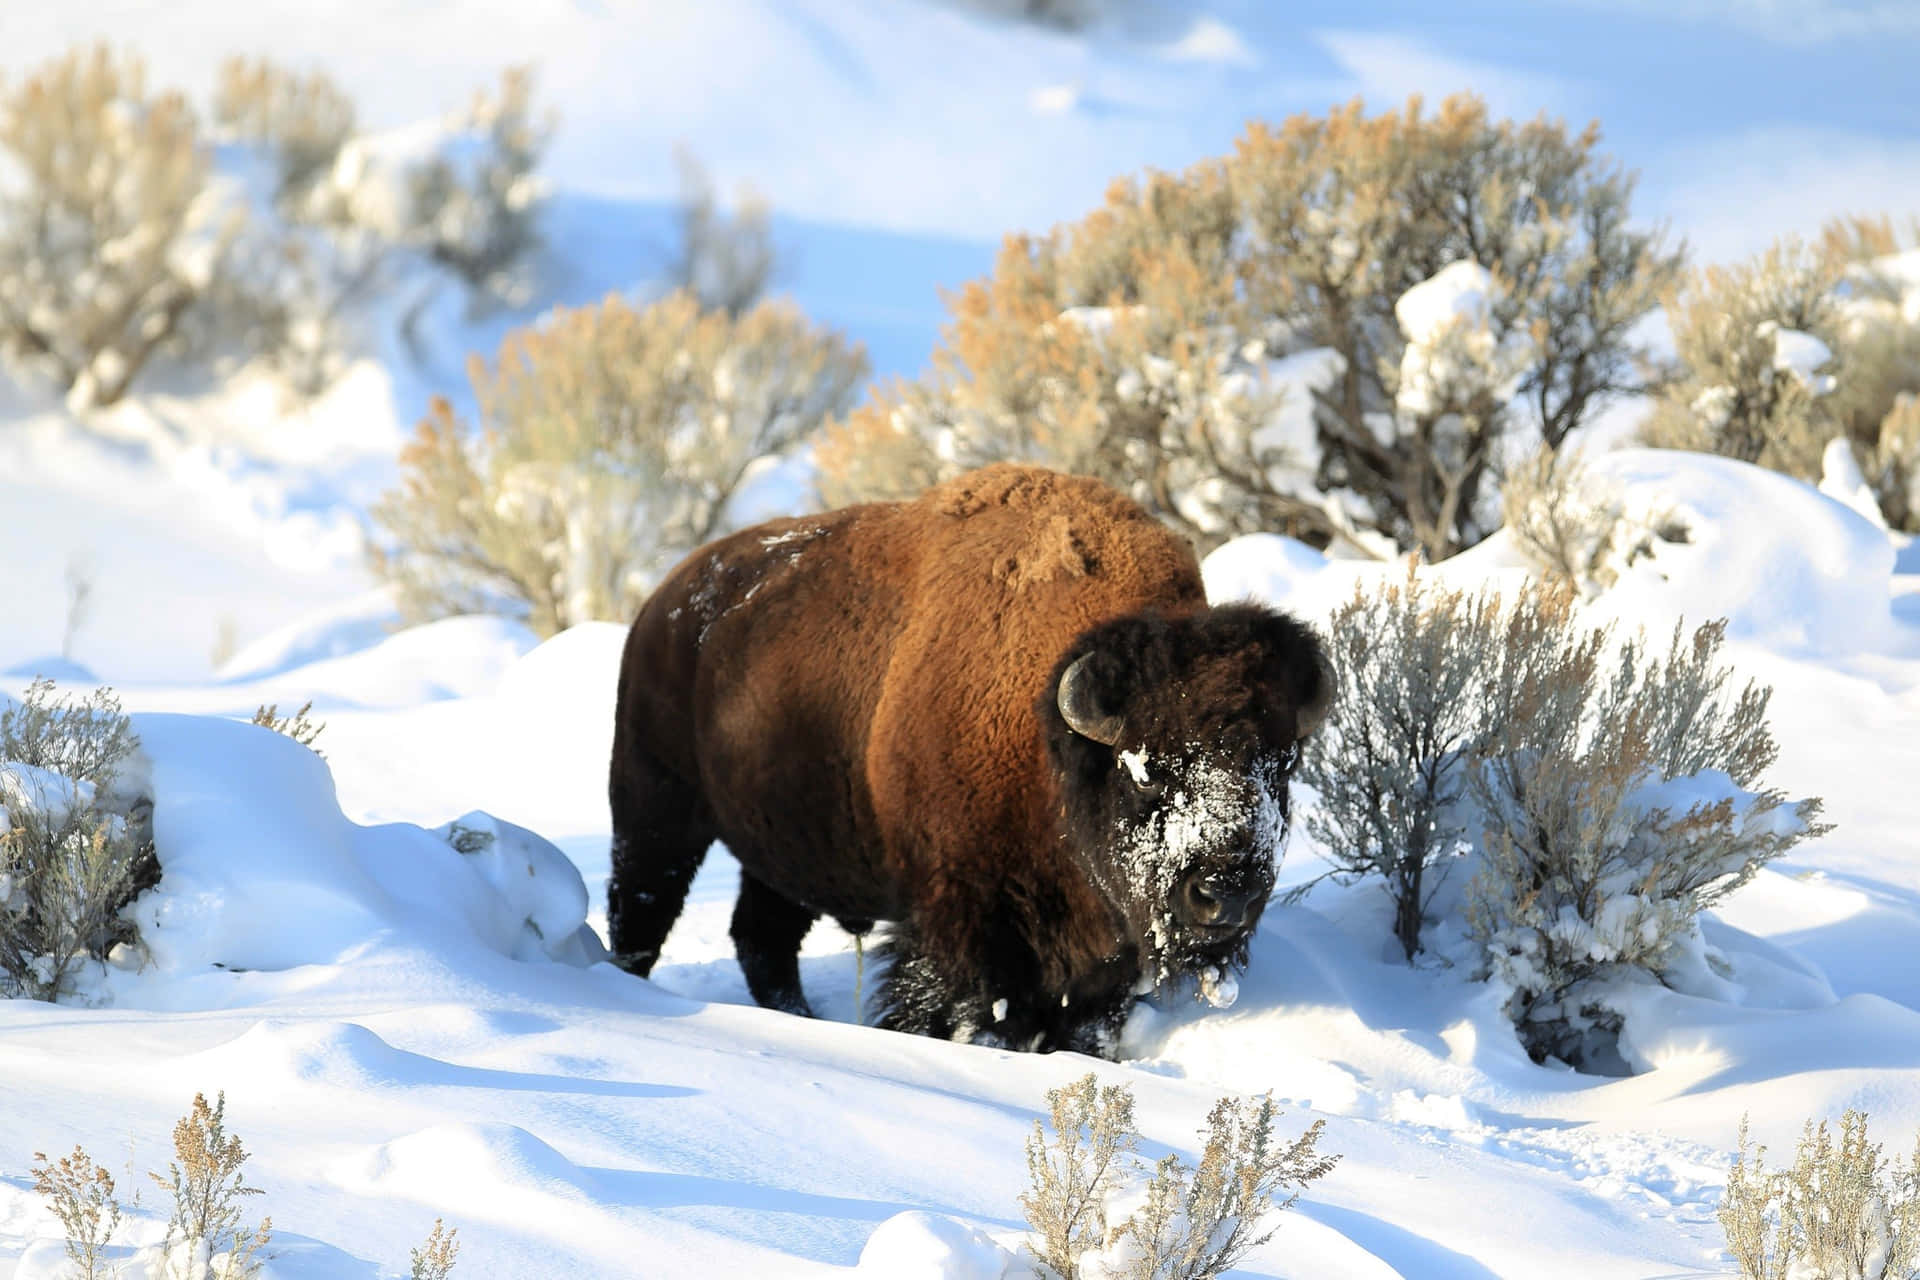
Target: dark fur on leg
x=660, y=837
x=917, y=994
x=767, y=930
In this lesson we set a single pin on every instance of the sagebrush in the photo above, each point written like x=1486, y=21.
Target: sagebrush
x=1745, y=336
x=1839, y=1212
x=1610, y=789
x=81, y=1195
x=75, y=847
x=726, y=261
x=612, y=440
x=1573, y=527
x=207, y=1188
x=1390, y=763
x=1144, y=344
x=1185, y=1223
x=300, y=726
x=100, y=251
x=434, y=1259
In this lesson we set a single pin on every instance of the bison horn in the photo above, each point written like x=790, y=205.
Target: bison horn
x=1315, y=712
x=1077, y=709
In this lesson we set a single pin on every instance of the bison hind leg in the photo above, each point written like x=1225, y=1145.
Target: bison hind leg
x=661, y=833
x=767, y=929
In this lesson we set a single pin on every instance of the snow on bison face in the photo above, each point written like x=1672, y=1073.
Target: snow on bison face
x=1172, y=740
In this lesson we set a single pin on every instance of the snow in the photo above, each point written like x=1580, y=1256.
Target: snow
x=1452, y=349
x=1800, y=354
x=389, y=958
x=409, y=1022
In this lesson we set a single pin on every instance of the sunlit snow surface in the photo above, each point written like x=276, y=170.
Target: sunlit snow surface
x=405, y=1030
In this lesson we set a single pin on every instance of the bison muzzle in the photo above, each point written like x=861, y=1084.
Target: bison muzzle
x=1001, y=718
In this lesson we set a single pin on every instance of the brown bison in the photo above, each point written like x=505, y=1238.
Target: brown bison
x=1001, y=717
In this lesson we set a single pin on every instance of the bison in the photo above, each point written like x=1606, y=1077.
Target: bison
x=1001, y=717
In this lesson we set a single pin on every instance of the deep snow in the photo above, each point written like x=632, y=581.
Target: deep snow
x=406, y=1016
x=404, y=1030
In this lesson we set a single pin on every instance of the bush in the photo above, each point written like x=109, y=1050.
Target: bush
x=724, y=262
x=612, y=440
x=1744, y=393
x=1229, y=344
x=1189, y=1224
x=297, y=726
x=477, y=209
x=205, y=1182
x=301, y=121
x=1572, y=526
x=1616, y=794
x=433, y=1260
x=1390, y=764
x=1839, y=1213
x=73, y=849
x=98, y=237
x=81, y=1195
x=1612, y=792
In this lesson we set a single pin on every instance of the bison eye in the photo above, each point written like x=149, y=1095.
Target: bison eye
x=1289, y=758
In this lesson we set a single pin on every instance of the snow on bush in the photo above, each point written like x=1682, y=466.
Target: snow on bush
x=1607, y=791
x=1837, y=1213
x=1615, y=796
x=612, y=441
x=1784, y=354
x=74, y=838
x=260, y=871
x=1325, y=334
x=104, y=240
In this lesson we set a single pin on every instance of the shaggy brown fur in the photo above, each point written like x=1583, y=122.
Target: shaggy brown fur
x=862, y=706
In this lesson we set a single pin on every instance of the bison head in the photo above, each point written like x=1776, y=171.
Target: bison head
x=1172, y=739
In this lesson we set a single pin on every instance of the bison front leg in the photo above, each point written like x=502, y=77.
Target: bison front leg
x=976, y=990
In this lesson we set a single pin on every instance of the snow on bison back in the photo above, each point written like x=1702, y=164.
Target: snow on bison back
x=1001, y=717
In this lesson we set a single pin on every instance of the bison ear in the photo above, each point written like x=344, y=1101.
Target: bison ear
x=1079, y=704
x=1318, y=704
x=1297, y=671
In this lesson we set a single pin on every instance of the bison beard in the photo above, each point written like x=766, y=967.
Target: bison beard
x=1001, y=718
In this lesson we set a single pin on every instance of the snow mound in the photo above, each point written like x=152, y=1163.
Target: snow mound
x=926, y=1246
x=274, y=1054
x=450, y=658
x=581, y=664
x=489, y=1170
x=357, y=625
x=1788, y=567
x=261, y=871
x=1260, y=566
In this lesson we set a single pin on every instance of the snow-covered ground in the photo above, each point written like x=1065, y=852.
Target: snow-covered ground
x=397, y=1044
x=378, y=956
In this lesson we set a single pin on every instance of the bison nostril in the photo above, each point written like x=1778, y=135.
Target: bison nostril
x=1208, y=902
